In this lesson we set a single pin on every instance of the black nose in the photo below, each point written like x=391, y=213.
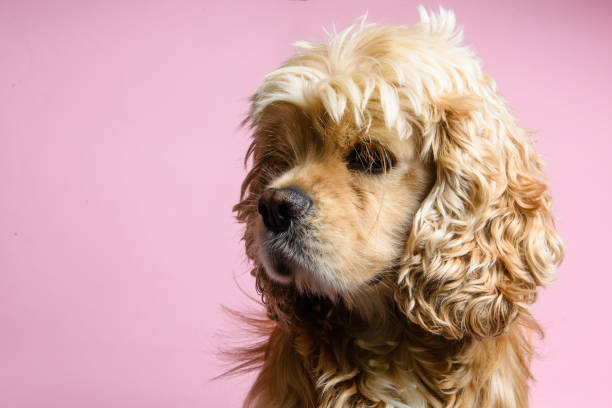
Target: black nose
x=279, y=206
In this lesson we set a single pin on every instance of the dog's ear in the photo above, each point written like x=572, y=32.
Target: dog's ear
x=484, y=237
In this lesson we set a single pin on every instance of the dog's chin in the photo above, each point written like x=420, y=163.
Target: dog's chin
x=310, y=279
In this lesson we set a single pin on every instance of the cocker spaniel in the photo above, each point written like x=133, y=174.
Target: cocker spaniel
x=398, y=225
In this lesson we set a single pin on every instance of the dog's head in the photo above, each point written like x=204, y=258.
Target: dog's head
x=388, y=152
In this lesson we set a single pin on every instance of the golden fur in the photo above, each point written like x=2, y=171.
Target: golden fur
x=409, y=288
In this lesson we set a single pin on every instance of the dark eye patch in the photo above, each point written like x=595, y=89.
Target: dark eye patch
x=370, y=157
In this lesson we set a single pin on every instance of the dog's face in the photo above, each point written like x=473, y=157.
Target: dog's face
x=388, y=154
x=336, y=215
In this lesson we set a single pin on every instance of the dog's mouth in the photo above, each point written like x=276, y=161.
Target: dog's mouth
x=280, y=256
x=285, y=254
x=288, y=260
x=287, y=257
x=282, y=265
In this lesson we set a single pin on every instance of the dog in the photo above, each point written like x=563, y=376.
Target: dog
x=398, y=224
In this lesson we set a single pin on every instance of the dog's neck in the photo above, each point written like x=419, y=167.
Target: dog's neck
x=351, y=344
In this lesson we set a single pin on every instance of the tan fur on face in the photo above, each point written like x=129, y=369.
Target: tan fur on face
x=409, y=288
x=359, y=221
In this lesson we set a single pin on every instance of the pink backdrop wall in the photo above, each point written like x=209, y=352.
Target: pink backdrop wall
x=121, y=156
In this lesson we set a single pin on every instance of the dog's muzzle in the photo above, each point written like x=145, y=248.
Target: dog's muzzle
x=279, y=207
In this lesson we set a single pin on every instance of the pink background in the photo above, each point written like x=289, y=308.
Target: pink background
x=121, y=156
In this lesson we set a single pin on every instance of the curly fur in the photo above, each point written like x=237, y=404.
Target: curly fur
x=418, y=291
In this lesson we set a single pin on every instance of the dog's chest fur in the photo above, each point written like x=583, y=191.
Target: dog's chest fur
x=326, y=357
x=356, y=361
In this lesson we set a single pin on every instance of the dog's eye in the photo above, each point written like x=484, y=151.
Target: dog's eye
x=370, y=158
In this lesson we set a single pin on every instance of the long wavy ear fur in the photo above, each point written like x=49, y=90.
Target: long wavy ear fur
x=484, y=238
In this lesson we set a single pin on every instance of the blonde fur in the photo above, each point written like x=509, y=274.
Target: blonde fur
x=410, y=288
